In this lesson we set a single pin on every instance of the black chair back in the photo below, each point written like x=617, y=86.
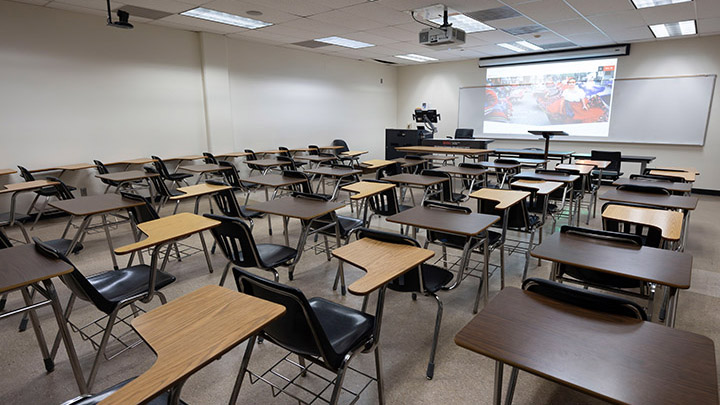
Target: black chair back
x=160, y=167
x=209, y=158
x=645, y=189
x=442, y=237
x=235, y=240
x=657, y=178
x=284, y=151
x=303, y=187
x=140, y=213
x=314, y=150
x=298, y=330
x=585, y=299
x=615, y=158
x=75, y=280
x=158, y=182
x=464, y=133
x=25, y=174
x=518, y=217
x=384, y=203
x=61, y=189
x=389, y=170
x=651, y=235
x=227, y=203
x=444, y=189
x=4, y=240
x=253, y=156
x=231, y=175
x=340, y=142
x=101, y=168
x=411, y=281
x=283, y=158
x=466, y=180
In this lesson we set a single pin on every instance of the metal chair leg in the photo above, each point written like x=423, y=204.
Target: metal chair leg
x=337, y=389
x=436, y=335
x=225, y=273
x=243, y=369
x=511, y=386
x=101, y=348
x=379, y=376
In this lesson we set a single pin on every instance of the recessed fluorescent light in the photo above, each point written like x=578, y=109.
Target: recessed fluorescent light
x=528, y=45
x=416, y=58
x=225, y=18
x=674, y=29
x=464, y=23
x=520, y=46
x=348, y=43
x=655, y=3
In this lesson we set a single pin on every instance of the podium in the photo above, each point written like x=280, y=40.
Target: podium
x=547, y=135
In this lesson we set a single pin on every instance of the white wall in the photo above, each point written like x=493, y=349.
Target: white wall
x=292, y=98
x=439, y=83
x=74, y=90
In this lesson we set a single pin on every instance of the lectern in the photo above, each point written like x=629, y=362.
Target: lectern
x=547, y=135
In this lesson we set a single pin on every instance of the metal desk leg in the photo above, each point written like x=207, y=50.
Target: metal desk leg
x=497, y=394
x=486, y=274
x=511, y=386
x=243, y=369
x=49, y=364
x=51, y=294
x=267, y=198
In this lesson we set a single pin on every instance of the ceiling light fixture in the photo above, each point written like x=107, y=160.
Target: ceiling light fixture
x=528, y=45
x=123, y=19
x=347, y=43
x=416, y=58
x=654, y=3
x=225, y=18
x=463, y=22
x=675, y=29
x=512, y=47
x=521, y=46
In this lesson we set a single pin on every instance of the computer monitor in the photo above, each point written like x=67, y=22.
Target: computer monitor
x=426, y=116
x=464, y=133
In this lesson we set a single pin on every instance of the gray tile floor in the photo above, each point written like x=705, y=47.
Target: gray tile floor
x=461, y=376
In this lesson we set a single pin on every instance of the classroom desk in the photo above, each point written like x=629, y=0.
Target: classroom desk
x=688, y=176
x=567, y=180
x=375, y=164
x=22, y=267
x=415, y=180
x=643, y=160
x=406, y=163
x=330, y=147
x=468, y=225
x=89, y=206
x=540, y=187
x=203, y=169
x=675, y=187
x=5, y=172
x=130, y=162
x=354, y=153
x=465, y=172
x=64, y=168
x=267, y=164
x=679, y=169
x=552, y=155
x=665, y=267
x=444, y=150
x=363, y=190
x=337, y=173
x=583, y=170
x=232, y=155
x=677, y=202
x=316, y=159
x=610, y=357
x=127, y=177
x=443, y=158
x=530, y=162
x=8, y=219
x=276, y=181
x=669, y=222
x=505, y=168
x=190, y=332
x=304, y=209
x=163, y=232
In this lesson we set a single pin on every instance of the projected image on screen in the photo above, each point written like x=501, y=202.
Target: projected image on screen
x=570, y=96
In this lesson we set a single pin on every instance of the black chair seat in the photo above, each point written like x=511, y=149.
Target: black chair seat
x=62, y=245
x=402, y=207
x=162, y=399
x=435, y=277
x=118, y=285
x=272, y=255
x=178, y=176
x=345, y=327
x=251, y=186
x=246, y=213
x=5, y=218
x=174, y=192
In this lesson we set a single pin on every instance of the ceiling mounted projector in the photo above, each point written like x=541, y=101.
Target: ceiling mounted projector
x=123, y=19
x=442, y=35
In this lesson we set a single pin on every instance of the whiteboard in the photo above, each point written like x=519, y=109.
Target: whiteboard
x=660, y=110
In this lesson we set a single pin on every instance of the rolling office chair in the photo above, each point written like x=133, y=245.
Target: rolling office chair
x=464, y=133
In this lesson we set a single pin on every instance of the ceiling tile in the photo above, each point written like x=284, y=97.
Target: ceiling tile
x=590, y=39
x=335, y=4
x=707, y=8
x=347, y=20
x=669, y=13
x=709, y=25
x=241, y=8
x=377, y=12
x=616, y=21
x=491, y=50
x=467, y=6
x=35, y=2
x=261, y=36
x=91, y=4
x=511, y=22
x=569, y=27
x=323, y=29
x=168, y=6
x=370, y=38
x=495, y=37
x=593, y=7
x=396, y=33
x=290, y=32
x=545, y=11
x=406, y=5
x=542, y=38
x=302, y=8
x=632, y=34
